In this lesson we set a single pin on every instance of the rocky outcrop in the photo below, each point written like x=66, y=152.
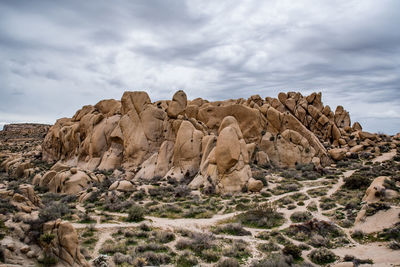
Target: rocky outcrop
x=204, y=143
x=24, y=130
x=23, y=198
x=65, y=244
x=66, y=180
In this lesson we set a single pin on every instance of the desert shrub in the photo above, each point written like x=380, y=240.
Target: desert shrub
x=182, y=191
x=156, y=259
x=151, y=247
x=263, y=216
x=319, y=241
x=228, y=262
x=69, y=199
x=238, y=249
x=373, y=208
x=292, y=250
x=394, y=245
x=111, y=247
x=392, y=233
x=312, y=206
x=53, y=211
x=210, y=255
x=120, y=258
x=197, y=242
x=358, y=234
x=231, y=229
x=306, y=230
x=268, y=247
x=139, y=195
x=274, y=260
x=114, y=203
x=357, y=181
x=301, y=216
x=135, y=214
x=164, y=236
x=187, y=259
x=322, y=256
x=259, y=175
x=6, y=207
x=2, y=259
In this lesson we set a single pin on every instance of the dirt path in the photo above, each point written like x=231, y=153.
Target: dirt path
x=103, y=236
x=340, y=183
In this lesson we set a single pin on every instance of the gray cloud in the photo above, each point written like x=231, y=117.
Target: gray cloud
x=56, y=56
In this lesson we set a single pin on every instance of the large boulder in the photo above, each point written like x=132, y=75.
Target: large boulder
x=187, y=150
x=232, y=158
x=178, y=104
x=65, y=244
x=287, y=149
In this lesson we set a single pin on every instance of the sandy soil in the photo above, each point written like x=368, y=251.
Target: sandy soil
x=379, y=221
x=385, y=156
x=378, y=252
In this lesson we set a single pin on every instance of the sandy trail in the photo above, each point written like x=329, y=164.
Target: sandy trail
x=378, y=252
x=103, y=236
x=385, y=156
x=379, y=221
x=340, y=183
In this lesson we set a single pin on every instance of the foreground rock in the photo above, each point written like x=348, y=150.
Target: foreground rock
x=65, y=244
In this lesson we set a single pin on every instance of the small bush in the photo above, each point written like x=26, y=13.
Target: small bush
x=135, y=214
x=373, y=208
x=292, y=250
x=394, y=245
x=53, y=211
x=232, y=229
x=6, y=207
x=238, y=250
x=357, y=181
x=110, y=247
x=187, y=259
x=358, y=234
x=156, y=259
x=268, y=247
x=301, y=216
x=274, y=260
x=210, y=255
x=322, y=256
x=228, y=262
x=164, y=236
x=120, y=258
x=263, y=216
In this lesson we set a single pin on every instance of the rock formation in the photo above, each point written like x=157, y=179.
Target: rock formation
x=201, y=142
x=65, y=244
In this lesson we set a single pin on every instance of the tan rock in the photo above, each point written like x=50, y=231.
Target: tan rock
x=366, y=135
x=254, y=185
x=337, y=153
x=356, y=149
x=178, y=104
x=65, y=245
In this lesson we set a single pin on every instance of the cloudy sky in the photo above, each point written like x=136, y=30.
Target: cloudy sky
x=56, y=56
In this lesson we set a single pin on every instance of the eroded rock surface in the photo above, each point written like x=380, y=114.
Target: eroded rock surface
x=183, y=139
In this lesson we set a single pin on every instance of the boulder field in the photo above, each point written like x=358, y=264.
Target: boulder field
x=206, y=144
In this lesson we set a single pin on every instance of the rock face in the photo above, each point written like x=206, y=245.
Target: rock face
x=66, y=180
x=203, y=143
x=65, y=245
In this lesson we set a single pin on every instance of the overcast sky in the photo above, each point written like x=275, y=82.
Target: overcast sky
x=56, y=56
